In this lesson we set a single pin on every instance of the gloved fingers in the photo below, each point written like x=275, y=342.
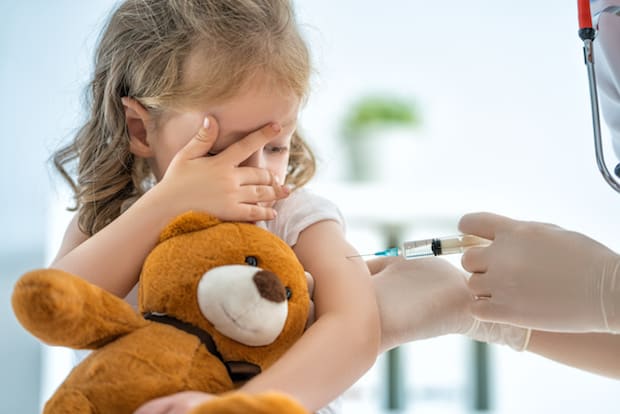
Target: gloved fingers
x=486, y=310
x=376, y=265
x=479, y=287
x=475, y=259
x=485, y=225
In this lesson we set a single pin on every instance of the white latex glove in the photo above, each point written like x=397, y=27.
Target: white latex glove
x=425, y=298
x=541, y=276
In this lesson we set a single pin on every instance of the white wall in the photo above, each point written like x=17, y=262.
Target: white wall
x=503, y=91
x=45, y=53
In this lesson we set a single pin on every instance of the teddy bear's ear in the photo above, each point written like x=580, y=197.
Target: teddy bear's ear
x=187, y=223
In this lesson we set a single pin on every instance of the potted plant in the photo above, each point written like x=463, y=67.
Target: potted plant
x=375, y=130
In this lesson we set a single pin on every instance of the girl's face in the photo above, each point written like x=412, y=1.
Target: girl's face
x=238, y=117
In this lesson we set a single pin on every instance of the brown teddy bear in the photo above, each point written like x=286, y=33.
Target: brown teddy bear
x=218, y=303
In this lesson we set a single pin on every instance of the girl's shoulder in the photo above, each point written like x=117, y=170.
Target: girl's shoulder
x=304, y=199
x=301, y=209
x=72, y=238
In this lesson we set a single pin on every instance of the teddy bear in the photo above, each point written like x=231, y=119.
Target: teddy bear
x=218, y=303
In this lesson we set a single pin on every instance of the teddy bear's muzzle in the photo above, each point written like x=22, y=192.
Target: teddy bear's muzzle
x=245, y=303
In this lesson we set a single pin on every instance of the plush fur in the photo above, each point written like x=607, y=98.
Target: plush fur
x=203, y=276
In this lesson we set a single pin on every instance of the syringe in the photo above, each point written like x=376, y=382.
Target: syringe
x=438, y=246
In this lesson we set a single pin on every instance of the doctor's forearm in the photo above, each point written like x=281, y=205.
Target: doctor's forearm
x=598, y=353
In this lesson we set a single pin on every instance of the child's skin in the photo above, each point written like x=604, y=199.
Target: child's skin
x=234, y=168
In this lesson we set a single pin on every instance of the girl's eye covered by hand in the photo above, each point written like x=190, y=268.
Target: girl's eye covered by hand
x=269, y=149
x=279, y=145
x=276, y=149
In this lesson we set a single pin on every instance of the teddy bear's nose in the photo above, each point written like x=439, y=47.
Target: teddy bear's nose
x=269, y=286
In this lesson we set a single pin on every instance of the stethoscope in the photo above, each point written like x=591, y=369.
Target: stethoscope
x=587, y=33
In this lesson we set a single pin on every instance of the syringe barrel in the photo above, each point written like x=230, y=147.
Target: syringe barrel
x=441, y=245
x=418, y=248
x=460, y=243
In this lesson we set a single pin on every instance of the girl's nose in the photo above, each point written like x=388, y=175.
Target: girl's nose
x=255, y=160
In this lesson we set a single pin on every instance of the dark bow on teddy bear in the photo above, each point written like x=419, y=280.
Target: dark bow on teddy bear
x=238, y=371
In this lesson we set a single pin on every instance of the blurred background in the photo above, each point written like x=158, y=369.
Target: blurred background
x=462, y=106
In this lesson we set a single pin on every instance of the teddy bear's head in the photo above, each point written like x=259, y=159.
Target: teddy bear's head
x=235, y=281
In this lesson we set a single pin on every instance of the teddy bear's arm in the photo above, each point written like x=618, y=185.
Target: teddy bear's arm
x=62, y=309
x=264, y=403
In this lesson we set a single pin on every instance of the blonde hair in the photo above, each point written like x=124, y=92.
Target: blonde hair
x=143, y=53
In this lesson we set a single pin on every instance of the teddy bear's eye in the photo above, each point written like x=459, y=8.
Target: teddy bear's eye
x=289, y=293
x=251, y=260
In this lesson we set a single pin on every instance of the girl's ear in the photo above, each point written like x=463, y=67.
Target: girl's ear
x=136, y=117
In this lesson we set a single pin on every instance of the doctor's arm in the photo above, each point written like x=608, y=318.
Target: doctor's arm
x=541, y=276
x=425, y=298
x=598, y=353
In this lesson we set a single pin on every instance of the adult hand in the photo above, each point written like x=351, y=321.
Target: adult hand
x=541, y=276
x=217, y=184
x=425, y=298
x=179, y=403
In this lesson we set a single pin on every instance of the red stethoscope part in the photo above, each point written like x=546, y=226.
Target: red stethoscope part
x=585, y=17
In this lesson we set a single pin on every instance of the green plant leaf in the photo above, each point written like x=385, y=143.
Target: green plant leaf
x=379, y=110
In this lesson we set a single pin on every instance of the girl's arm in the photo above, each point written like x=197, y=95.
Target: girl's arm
x=598, y=353
x=344, y=341
x=112, y=257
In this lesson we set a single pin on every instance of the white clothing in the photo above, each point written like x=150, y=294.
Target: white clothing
x=596, y=6
x=607, y=66
x=297, y=212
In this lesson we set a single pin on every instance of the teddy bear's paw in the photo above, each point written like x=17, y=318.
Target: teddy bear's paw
x=68, y=402
x=239, y=403
x=46, y=300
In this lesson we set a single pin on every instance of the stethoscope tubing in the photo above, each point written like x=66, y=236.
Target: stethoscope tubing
x=587, y=34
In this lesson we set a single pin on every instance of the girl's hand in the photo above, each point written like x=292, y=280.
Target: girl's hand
x=311, y=314
x=179, y=403
x=216, y=184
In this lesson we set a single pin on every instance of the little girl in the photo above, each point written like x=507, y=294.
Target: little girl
x=194, y=106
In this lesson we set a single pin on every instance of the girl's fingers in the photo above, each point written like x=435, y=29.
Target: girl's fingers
x=254, y=212
x=310, y=283
x=240, y=151
x=261, y=193
x=254, y=176
x=281, y=190
x=202, y=142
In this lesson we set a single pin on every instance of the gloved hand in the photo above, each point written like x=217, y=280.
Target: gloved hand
x=541, y=276
x=425, y=298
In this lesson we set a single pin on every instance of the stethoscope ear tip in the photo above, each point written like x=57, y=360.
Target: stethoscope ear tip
x=617, y=170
